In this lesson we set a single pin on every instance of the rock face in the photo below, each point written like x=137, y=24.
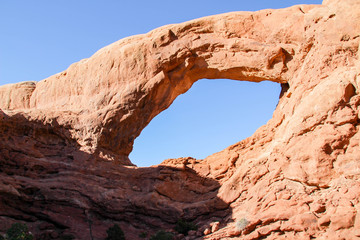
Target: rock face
x=65, y=141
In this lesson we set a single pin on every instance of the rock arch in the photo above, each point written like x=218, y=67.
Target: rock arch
x=109, y=98
x=289, y=176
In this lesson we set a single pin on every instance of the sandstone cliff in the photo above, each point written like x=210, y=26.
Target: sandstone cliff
x=65, y=140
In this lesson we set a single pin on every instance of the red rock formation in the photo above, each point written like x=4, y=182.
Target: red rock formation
x=65, y=140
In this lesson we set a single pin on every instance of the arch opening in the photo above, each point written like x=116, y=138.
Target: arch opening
x=212, y=115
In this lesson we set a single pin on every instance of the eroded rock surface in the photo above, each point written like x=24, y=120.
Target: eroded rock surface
x=65, y=140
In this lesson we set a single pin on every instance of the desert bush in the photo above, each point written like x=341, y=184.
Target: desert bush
x=184, y=227
x=141, y=235
x=241, y=224
x=115, y=233
x=67, y=237
x=18, y=231
x=162, y=235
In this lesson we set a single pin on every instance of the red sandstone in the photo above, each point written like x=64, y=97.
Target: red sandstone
x=65, y=140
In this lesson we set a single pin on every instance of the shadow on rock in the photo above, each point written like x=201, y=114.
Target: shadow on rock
x=60, y=191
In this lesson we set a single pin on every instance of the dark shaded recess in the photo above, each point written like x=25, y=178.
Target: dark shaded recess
x=47, y=182
x=284, y=88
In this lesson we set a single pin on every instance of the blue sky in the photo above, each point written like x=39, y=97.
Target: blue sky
x=40, y=38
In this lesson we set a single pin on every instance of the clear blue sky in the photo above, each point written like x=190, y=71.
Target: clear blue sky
x=39, y=38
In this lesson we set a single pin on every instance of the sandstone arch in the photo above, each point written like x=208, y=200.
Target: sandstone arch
x=297, y=176
x=113, y=95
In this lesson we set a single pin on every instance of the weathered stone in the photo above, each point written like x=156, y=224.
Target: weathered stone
x=207, y=231
x=215, y=226
x=65, y=141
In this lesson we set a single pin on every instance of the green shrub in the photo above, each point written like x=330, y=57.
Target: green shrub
x=141, y=235
x=184, y=227
x=67, y=237
x=18, y=231
x=115, y=233
x=242, y=224
x=162, y=235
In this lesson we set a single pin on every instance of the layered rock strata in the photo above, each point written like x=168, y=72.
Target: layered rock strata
x=65, y=140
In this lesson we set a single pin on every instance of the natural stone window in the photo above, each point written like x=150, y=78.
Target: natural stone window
x=212, y=115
